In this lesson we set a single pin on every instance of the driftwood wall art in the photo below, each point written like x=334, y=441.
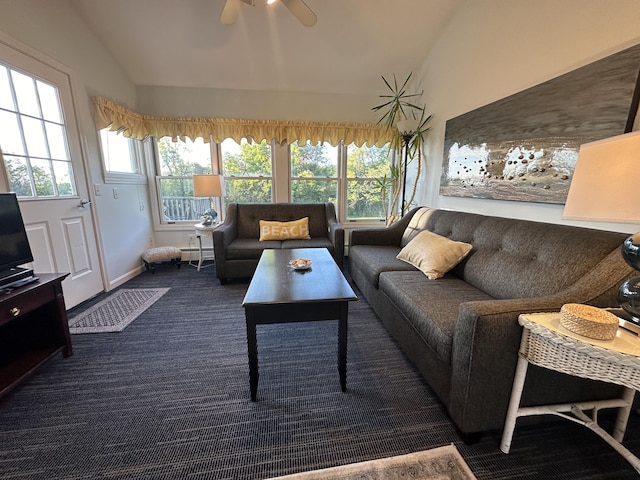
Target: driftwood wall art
x=524, y=147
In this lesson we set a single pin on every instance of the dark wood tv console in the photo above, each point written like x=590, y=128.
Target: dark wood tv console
x=33, y=328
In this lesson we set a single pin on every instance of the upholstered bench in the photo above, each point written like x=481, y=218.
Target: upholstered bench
x=159, y=255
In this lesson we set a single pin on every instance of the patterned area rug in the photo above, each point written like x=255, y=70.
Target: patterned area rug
x=443, y=463
x=115, y=312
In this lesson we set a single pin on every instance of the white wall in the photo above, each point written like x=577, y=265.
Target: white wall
x=255, y=105
x=54, y=29
x=494, y=48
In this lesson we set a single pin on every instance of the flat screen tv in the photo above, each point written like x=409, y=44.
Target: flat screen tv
x=14, y=244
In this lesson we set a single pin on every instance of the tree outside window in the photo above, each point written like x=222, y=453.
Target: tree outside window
x=314, y=172
x=247, y=170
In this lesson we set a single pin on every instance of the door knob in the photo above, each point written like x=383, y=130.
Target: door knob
x=84, y=203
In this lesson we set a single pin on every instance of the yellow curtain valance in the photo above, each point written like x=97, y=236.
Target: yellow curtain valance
x=134, y=125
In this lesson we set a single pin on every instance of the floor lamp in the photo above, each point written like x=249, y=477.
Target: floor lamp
x=605, y=188
x=208, y=186
x=407, y=129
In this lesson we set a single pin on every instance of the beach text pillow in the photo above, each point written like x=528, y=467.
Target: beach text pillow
x=295, y=230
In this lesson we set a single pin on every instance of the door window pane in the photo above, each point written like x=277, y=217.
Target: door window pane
x=63, y=176
x=10, y=137
x=57, y=141
x=49, y=102
x=35, y=151
x=36, y=144
x=25, y=94
x=19, y=177
x=6, y=99
x=43, y=177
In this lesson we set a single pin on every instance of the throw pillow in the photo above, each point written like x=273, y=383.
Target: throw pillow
x=295, y=230
x=433, y=254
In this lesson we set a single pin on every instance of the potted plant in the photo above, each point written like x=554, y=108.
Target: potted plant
x=398, y=111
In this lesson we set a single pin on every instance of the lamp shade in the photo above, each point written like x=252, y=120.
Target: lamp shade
x=207, y=186
x=605, y=181
x=407, y=126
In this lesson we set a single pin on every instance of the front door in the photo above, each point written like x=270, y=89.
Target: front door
x=42, y=162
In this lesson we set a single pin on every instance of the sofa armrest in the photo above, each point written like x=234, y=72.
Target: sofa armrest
x=487, y=337
x=391, y=235
x=484, y=355
x=336, y=234
x=223, y=235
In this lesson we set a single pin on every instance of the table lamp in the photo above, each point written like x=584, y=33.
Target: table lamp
x=208, y=186
x=605, y=188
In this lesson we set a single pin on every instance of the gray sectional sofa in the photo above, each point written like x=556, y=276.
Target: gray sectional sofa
x=237, y=245
x=461, y=330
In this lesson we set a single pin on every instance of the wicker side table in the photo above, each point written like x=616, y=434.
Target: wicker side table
x=547, y=344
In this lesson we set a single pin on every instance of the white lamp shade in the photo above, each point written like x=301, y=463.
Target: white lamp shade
x=410, y=125
x=207, y=186
x=605, y=183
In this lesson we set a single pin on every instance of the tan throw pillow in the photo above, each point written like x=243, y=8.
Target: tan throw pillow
x=433, y=254
x=296, y=230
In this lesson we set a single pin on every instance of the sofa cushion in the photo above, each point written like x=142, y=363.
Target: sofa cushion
x=417, y=224
x=249, y=248
x=374, y=259
x=520, y=258
x=248, y=216
x=433, y=254
x=318, y=242
x=430, y=307
x=294, y=230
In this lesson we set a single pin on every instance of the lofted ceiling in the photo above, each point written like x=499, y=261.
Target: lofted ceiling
x=181, y=43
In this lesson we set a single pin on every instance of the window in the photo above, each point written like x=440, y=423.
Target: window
x=247, y=171
x=347, y=176
x=120, y=158
x=33, y=136
x=177, y=163
x=314, y=172
x=350, y=177
x=366, y=166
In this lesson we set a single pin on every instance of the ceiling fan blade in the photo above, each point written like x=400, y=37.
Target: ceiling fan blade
x=301, y=11
x=230, y=12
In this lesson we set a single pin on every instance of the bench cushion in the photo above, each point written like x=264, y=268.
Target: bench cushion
x=161, y=254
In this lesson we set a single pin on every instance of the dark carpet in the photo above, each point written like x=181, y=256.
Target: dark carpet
x=168, y=398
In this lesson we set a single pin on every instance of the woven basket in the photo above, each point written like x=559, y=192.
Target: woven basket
x=589, y=321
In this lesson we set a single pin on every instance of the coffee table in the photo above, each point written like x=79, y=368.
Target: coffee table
x=280, y=294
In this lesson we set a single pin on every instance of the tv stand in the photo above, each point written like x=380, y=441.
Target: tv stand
x=33, y=328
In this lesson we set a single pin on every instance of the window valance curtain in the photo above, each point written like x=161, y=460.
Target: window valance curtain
x=134, y=125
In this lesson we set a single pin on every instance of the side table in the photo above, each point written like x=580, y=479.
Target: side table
x=207, y=231
x=547, y=344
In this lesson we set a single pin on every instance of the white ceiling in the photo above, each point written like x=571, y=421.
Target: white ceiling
x=182, y=42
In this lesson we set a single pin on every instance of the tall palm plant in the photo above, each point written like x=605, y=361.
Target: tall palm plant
x=399, y=105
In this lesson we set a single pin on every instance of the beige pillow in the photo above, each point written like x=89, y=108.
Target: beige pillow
x=296, y=230
x=433, y=254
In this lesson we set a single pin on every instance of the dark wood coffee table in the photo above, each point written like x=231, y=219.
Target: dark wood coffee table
x=279, y=294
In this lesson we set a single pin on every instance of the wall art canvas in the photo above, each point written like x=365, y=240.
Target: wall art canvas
x=524, y=147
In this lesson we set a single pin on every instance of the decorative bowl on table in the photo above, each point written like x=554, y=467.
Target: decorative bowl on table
x=300, y=264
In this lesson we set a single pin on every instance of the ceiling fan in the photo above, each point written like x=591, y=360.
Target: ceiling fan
x=298, y=8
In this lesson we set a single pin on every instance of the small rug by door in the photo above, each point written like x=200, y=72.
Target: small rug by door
x=442, y=463
x=115, y=312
